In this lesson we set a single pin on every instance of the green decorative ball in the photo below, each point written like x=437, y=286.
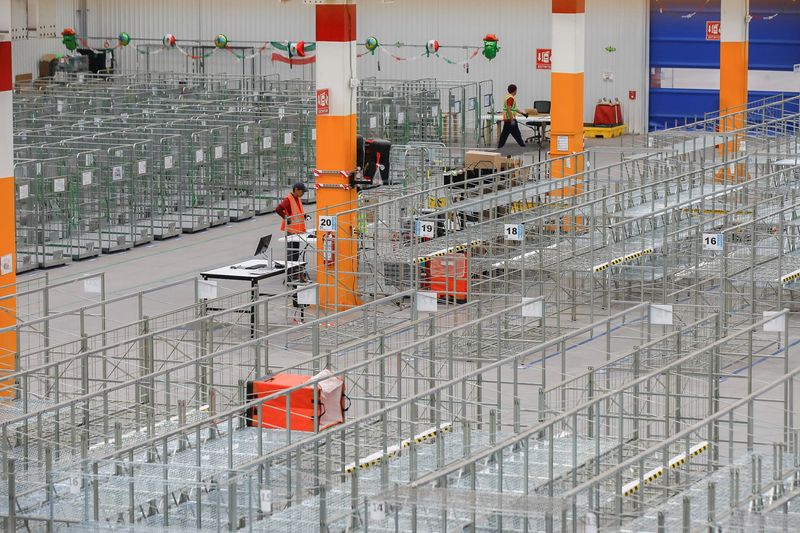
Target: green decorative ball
x=372, y=44
x=124, y=39
x=221, y=41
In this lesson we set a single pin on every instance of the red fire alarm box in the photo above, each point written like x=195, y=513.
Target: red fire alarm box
x=631, y=95
x=329, y=410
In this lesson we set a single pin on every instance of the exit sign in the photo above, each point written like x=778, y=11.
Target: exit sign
x=712, y=30
x=323, y=102
x=543, y=58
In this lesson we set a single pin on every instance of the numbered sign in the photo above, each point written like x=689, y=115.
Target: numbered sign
x=265, y=500
x=425, y=229
x=513, y=232
x=327, y=223
x=713, y=241
x=74, y=485
x=377, y=511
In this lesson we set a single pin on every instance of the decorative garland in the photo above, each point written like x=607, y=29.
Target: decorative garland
x=291, y=52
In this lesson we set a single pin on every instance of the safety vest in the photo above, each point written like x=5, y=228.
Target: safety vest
x=509, y=112
x=296, y=218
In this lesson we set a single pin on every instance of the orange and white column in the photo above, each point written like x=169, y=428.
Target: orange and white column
x=8, y=258
x=337, y=273
x=733, y=65
x=566, y=88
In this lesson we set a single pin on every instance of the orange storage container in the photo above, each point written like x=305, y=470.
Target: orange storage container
x=330, y=402
x=448, y=276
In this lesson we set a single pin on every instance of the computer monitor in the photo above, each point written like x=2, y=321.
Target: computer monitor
x=263, y=244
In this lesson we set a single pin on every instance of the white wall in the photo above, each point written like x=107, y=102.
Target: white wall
x=521, y=25
x=28, y=46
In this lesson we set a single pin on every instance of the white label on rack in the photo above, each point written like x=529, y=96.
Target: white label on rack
x=401, y=117
x=456, y=107
x=287, y=137
x=435, y=111
x=74, y=485
x=59, y=185
x=97, y=121
x=246, y=129
x=116, y=173
x=23, y=192
x=562, y=143
x=266, y=142
x=93, y=285
x=649, y=142
x=427, y=301
x=713, y=241
x=81, y=124
x=86, y=177
x=60, y=106
x=218, y=152
x=142, y=167
x=742, y=146
x=513, y=232
x=265, y=500
x=198, y=156
x=473, y=103
x=532, y=308
x=488, y=100
x=206, y=289
x=373, y=122
x=124, y=117
x=377, y=511
x=167, y=162
x=281, y=113
x=118, y=153
x=89, y=159
x=243, y=148
x=6, y=264
x=48, y=126
x=314, y=134
x=38, y=169
x=425, y=229
x=327, y=223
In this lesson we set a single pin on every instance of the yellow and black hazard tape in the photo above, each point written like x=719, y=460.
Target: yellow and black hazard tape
x=452, y=250
x=376, y=458
x=631, y=488
x=790, y=277
x=618, y=260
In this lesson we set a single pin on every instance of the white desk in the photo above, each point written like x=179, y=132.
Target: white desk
x=538, y=121
x=241, y=272
x=310, y=239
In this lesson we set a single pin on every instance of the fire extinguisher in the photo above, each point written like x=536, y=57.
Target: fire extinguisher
x=329, y=248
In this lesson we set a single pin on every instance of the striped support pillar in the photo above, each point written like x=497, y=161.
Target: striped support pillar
x=733, y=64
x=8, y=259
x=336, y=151
x=566, y=95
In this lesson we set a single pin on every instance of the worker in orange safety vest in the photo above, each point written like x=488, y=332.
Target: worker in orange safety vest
x=294, y=219
x=510, y=126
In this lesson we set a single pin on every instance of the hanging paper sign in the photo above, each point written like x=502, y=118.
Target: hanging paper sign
x=513, y=232
x=198, y=156
x=287, y=137
x=314, y=134
x=23, y=192
x=323, y=102
x=327, y=223
x=401, y=117
x=544, y=58
x=142, y=167
x=373, y=122
x=712, y=30
x=167, y=162
x=59, y=185
x=218, y=152
x=714, y=241
x=60, y=106
x=281, y=113
x=265, y=500
x=266, y=142
x=116, y=173
x=243, y=148
x=89, y=159
x=425, y=229
x=86, y=177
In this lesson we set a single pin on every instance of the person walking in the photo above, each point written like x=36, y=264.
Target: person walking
x=510, y=126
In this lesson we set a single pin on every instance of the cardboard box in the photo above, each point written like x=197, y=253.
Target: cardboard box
x=483, y=160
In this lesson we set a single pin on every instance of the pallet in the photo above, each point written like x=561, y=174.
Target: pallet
x=605, y=132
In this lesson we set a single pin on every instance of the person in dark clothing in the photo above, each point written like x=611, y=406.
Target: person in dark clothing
x=510, y=126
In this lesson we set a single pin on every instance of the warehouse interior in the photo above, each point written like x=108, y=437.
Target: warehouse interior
x=283, y=266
